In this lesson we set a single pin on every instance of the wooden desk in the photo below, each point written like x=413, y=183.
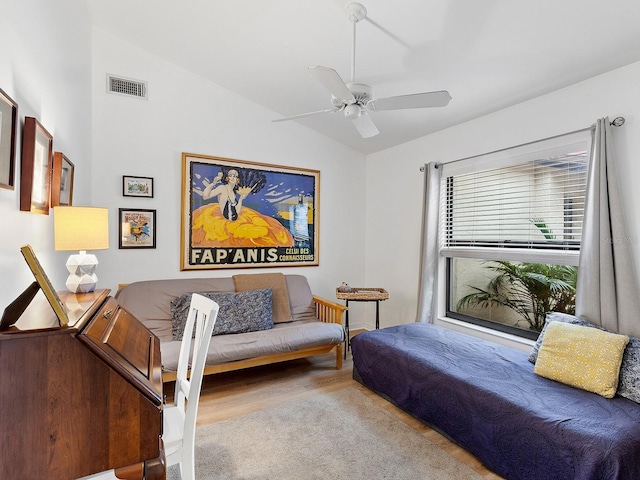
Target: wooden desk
x=80, y=399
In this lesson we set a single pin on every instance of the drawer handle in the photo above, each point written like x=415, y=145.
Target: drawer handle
x=107, y=313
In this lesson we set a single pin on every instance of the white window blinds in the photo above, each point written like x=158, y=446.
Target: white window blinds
x=516, y=205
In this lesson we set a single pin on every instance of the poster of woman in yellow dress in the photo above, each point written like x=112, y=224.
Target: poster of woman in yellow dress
x=238, y=213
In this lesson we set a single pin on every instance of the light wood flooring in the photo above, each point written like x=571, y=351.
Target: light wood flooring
x=233, y=394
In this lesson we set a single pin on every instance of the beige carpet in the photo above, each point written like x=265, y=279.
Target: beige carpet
x=341, y=435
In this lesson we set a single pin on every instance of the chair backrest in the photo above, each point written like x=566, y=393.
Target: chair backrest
x=201, y=318
x=193, y=353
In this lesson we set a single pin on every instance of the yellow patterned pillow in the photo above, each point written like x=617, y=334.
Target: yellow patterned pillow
x=583, y=357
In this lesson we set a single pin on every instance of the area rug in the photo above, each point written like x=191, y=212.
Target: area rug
x=340, y=435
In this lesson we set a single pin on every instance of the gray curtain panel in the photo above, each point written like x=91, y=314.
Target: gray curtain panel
x=429, y=253
x=607, y=289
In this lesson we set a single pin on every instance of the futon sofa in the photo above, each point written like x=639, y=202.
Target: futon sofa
x=263, y=318
x=489, y=399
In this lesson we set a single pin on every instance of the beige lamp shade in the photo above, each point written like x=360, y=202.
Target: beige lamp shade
x=80, y=228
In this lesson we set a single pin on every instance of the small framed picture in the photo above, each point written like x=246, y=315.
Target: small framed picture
x=137, y=186
x=8, y=128
x=61, y=181
x=137, y=228
x=37, y=158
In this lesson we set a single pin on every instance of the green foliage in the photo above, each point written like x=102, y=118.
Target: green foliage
x=529, y=289
x=544, y=229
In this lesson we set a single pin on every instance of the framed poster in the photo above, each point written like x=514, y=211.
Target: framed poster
x=238, y=214
x=35, y=175
x=137, y=186
x=61, y=181
x=137, y=228
x=8, y=127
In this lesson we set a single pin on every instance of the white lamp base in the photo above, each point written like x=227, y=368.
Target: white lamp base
x=82, y=277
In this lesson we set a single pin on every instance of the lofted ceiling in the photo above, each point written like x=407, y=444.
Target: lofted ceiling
x=489, y=54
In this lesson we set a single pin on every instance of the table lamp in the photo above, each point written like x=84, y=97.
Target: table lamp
x=81, y=228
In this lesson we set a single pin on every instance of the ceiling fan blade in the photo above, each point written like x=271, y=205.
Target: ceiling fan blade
x=365, y=126
x=416, y=100
x=294, y=117
x=332, y=82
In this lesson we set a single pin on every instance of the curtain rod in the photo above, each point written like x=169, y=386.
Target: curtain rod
x=617, y=122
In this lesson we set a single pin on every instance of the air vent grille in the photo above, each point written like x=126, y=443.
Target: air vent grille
x=126, y=86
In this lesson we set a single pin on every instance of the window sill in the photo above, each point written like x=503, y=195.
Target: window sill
x=513, y=341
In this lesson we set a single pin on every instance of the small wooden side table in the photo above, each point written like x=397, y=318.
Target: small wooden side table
x=361, y=295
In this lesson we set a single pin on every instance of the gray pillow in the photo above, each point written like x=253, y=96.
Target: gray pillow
x=239, y=312
x=629, y=379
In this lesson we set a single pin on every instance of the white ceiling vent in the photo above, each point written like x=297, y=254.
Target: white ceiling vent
x=126, y=86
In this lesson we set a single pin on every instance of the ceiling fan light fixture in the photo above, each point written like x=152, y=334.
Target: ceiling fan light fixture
x=352, y=111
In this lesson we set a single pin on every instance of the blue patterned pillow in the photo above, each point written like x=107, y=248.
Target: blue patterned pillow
x=239, y=312
x=629, y=381
x=629, y=384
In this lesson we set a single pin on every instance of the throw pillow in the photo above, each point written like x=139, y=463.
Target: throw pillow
x=239, y=312
x=555, y=317
x=629, y=386
x=275, y=281
x=629, y=380
x=582, y=357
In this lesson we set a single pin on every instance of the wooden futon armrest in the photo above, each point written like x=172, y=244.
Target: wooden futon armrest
x=328, y=311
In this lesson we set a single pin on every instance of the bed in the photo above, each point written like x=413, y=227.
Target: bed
x=486, y=398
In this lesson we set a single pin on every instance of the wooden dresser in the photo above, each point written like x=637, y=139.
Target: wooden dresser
x=83, y=398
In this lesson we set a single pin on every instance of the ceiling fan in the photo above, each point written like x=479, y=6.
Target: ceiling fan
x=355, y=100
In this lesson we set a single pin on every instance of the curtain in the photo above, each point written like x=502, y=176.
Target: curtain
x=607, y=288
x=429, y=248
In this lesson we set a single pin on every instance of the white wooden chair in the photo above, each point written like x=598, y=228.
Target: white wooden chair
x=179, y=421
x=179, y=418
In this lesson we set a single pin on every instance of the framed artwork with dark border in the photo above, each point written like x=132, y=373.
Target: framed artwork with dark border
x=35, y=176
x=241, y=214
x=62, y=181
x=8, y=128
x=137, y=186
x=136, y=228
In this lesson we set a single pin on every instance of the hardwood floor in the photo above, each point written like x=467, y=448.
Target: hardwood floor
x=233, y=394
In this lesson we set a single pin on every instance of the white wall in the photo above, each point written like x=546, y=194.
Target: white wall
x=394, y=194
x=186, y=113
x=45, y=66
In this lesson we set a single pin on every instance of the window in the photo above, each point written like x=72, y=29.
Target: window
x=510, y=231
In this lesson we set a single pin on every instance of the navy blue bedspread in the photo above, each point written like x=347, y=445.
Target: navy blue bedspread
x=487, y=399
